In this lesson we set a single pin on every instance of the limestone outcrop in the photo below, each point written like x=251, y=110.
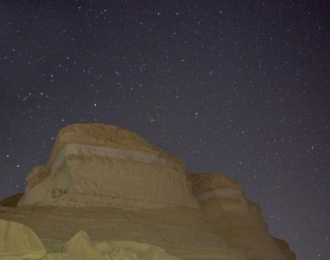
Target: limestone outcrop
x=20, y=241
x=106, y=193
x=238, y=221
x=180, y=231
x=108, y=166
x=285, y=248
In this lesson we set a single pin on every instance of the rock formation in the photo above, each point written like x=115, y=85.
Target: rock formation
x=238, y=221
x=285, y=249
x=12, y=201
x=106, y=193
x=81, y=245
x=109, y=166
x=19, y=241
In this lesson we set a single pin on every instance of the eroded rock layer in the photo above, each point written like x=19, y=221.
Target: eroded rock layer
x=106, y=193
x=238, y=221
x=182, y=232
x=108, y=166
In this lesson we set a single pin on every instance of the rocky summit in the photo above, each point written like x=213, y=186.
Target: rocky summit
x=107, y=194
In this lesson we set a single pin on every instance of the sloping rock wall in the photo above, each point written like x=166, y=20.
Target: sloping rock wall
x=285, y=248
x=238, y=221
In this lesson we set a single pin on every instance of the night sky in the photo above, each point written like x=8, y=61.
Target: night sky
x=237, y=87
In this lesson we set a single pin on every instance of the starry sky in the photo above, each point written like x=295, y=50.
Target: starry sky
x=237, y=87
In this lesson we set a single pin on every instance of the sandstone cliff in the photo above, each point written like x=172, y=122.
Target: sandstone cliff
x=106, y=193
x=238, y=221
x=108, y=166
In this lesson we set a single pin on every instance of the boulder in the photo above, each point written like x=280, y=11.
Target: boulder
x=20, y=241
x=81, y=246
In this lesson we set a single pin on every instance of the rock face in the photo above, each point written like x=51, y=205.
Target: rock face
x=20, y=241
x=108, y=166
x=285, y=249
x=106, y=193
x=238, y=221
x=12, y=201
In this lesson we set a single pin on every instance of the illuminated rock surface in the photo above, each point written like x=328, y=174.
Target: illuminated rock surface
x=238, y=221
x=106, y=193
x=108, y=166
x=19, y=241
